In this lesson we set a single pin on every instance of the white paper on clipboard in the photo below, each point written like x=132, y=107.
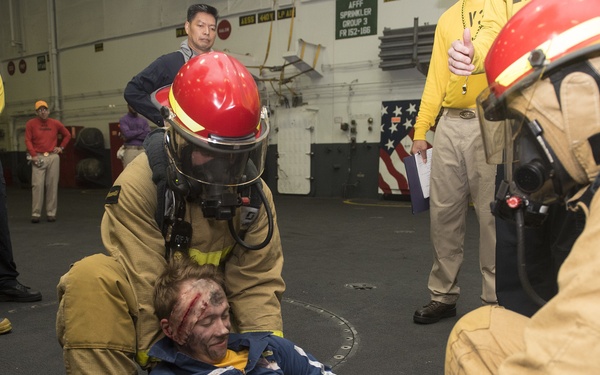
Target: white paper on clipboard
x=424, y=170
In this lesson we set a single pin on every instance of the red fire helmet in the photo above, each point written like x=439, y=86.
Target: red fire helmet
x=214, y=113
x=539, y=114
x=551, y=28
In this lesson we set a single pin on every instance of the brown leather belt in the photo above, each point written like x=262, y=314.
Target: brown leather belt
x=465, y=114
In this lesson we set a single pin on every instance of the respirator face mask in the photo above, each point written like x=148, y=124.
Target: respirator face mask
x=211, y=172
x=517, y=142
x=528, y=176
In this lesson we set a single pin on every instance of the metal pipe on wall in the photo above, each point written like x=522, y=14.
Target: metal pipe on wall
x=13, y=136
x=54, y=68
x=13, y=38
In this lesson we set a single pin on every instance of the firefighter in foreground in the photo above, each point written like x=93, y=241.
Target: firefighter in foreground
x=541, y=114
x=195, y=192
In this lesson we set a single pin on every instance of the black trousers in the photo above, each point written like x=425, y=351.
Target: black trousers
x=8, y=269
x=546, y=247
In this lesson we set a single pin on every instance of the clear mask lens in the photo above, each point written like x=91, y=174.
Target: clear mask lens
x=222, y=162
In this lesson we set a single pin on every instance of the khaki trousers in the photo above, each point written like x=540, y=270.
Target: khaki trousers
x=460, y=174
x=130, y=154
x=95, y=323
x=44, y=179
x=481, y=340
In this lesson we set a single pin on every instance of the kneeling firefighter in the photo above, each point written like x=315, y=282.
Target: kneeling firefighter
x=195, y=192
x=541, y=117
x=543, y=124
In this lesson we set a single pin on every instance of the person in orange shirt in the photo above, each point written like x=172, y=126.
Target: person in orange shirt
x=41, y=139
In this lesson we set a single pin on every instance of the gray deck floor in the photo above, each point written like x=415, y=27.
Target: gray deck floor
x=355, y=272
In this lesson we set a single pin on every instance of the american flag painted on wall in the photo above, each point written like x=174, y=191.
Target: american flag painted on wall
x=397, y=121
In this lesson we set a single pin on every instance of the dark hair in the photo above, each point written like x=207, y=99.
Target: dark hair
x=201, y=8
x=177, y=271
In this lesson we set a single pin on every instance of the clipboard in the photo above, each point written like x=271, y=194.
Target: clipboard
x=418, y=175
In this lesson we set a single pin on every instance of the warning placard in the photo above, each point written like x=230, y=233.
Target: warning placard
x=355, y=18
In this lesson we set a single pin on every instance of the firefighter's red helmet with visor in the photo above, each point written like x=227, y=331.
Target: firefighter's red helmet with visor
x=542, y=71
x=554, y=28
x=217, y=130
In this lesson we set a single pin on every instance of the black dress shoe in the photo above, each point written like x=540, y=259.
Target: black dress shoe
x=51, y=219
x=18, y=293
x=433, y=312
x=35, y=219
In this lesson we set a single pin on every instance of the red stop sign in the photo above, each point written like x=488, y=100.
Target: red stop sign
x=11, y=68
x=224, y=29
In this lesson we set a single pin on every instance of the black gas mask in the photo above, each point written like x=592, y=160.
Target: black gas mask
x=529, y=172
x=212, y=172
x=217, y=200
x=221, y=175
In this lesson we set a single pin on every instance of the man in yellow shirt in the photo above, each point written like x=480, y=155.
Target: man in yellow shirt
x=547, y=245
x=459, y=172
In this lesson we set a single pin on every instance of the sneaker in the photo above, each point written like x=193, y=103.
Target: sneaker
x=35, y=219
x=5, y=326
x=433, y=312
x=18, y=293
x=51, y=219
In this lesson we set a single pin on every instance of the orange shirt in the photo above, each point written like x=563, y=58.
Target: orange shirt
x=42, y=135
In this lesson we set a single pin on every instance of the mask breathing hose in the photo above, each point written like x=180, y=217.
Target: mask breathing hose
x=522, y=266
x=267, y=239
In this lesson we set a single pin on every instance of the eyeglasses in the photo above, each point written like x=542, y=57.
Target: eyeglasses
x=43, y=109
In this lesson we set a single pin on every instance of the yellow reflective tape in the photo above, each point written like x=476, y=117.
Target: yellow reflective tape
x=278, y=333
x=213, y=257
x=142, y=358
x=514, y=71
x=183, y=117
x=551, y=48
